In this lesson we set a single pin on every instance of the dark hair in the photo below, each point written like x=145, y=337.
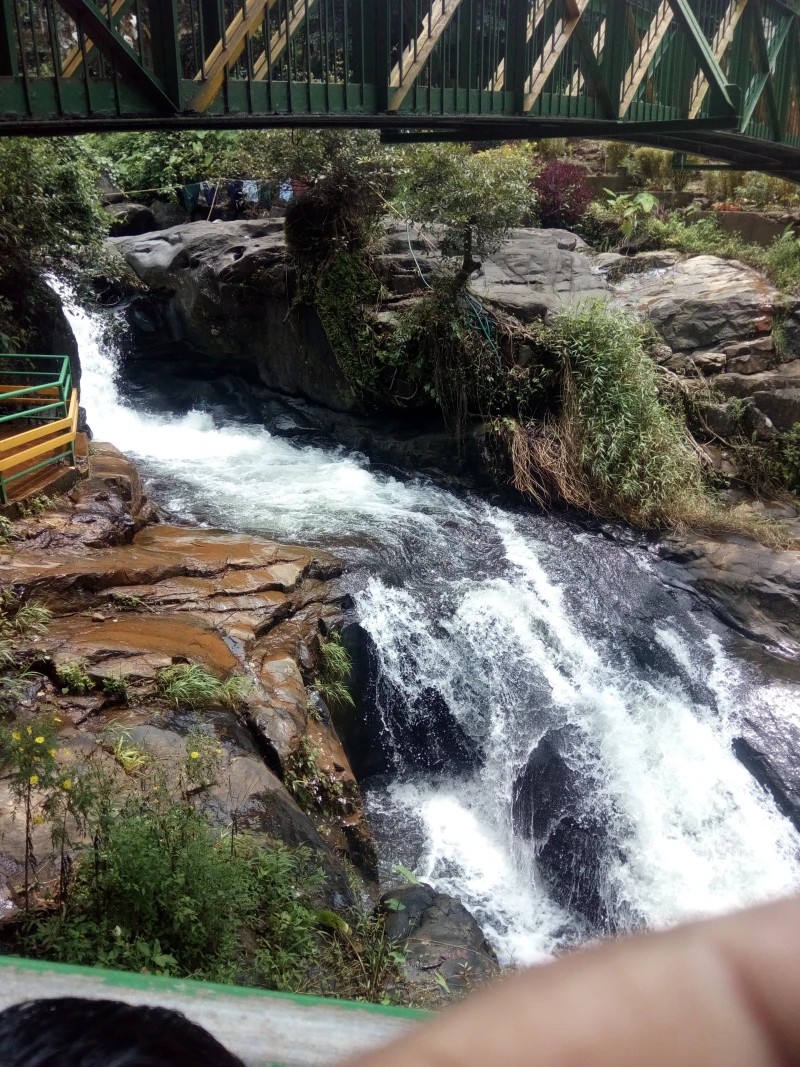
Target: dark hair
x=71, y=1032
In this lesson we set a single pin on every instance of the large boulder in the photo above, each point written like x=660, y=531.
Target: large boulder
x=536, y=273
x=439, y=936
x=230, y=287
x=705, y=302
x=130, y=220
x=775, y=393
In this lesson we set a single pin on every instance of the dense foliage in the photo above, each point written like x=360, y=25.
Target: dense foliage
x=159, y=163
x=50, y=220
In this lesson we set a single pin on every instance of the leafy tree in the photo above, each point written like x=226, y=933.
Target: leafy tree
x=51, y=219
x=476, y=197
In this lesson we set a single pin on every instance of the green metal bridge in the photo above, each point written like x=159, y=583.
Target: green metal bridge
x=720, y=78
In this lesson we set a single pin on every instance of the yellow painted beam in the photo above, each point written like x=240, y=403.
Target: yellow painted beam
x=278, y=41
x=223, y=56
x=74, y=57
x=498, y=82
x=416, y=55
x=552, y=51
x=645, y=54
x=50, y=444
x=45, y=430
x=722, y=41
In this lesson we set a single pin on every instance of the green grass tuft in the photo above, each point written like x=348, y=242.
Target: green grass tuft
x=192, y=686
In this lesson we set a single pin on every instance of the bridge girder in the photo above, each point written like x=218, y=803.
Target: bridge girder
x=711, y=77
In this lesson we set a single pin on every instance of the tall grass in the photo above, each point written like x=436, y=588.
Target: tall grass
x=616, y=448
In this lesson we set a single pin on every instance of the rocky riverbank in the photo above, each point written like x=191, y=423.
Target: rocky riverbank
x=728, y=339
x=131, y=596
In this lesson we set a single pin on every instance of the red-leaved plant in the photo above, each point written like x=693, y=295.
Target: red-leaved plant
x=563, y=195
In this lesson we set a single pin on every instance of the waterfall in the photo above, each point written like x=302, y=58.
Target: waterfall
x=498, y=635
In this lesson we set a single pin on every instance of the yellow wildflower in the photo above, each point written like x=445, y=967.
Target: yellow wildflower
x=37, y=820
x=56, y=718
x=67, y=783
x=17, y=735
x=29, y=729
x=195, y=755
x=39, y=740
x=34, y=779
x=52, y=752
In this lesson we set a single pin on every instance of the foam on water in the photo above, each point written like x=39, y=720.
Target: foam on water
x=461, y=600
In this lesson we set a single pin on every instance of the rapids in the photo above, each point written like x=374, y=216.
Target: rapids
x=490, y=629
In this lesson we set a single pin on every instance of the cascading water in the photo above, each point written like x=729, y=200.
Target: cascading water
x=510, y=652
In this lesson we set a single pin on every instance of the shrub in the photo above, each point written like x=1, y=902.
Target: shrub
x=617, y=153
x=192, y=686
x=311, y=786
x=563, y=195
x=51, y=219
x=115, y=686
x=614, y=448
x=73, y=677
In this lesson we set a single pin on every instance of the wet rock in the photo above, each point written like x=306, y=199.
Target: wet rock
x=754, y=589
x=129, y=220
x=230, y=288
x=552, y=807
x=130, y=603
x=440, y=937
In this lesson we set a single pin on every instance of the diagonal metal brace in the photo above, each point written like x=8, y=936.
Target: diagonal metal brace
x=687, y=20
x=95, y=26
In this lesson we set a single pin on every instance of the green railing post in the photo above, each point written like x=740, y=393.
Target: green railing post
x=615, y=55
x=383, y=53
x=165, y=43
x=516, y=71
x=8, y=42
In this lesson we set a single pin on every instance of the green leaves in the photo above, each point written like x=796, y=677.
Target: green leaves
x=406, y=874
x=393, y=904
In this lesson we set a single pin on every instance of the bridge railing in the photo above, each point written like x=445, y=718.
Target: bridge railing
x=732, y=64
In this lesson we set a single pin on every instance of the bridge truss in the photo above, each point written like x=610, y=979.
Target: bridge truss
x=716, y=77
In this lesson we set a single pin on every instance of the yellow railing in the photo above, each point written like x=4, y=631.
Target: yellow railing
x=49, y=443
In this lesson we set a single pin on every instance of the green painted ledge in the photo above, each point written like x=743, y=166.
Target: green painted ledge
x=264, y=1028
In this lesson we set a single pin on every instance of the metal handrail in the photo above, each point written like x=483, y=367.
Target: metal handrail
x=55, y=413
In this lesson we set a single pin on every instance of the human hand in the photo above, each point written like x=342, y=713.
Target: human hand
x=723, y=993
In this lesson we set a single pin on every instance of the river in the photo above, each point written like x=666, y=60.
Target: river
x=494, y=629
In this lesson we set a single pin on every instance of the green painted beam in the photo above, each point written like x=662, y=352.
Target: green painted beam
x=94, y=24
x=720, y=86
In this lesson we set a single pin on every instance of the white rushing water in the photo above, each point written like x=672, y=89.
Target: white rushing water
x=517, y=625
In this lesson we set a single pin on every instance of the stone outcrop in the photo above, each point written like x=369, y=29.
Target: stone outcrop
x=755, y=589
x=438, y=936
x=536, y=273
x=130, y=597
x=704, y=303
x=228, y=288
